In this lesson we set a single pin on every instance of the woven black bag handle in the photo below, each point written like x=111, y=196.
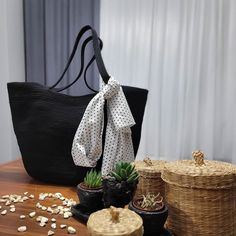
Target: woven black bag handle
x=97, y=46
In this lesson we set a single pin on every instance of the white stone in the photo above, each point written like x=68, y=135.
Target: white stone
x=71, y=230
x=44, y=208
x=53, y=220
x=39, y=218
x=22, y=229
x=44, y=219
x=31, y=196
x=62, y=226
x=4, y=212
x=25, y=193
x=22, y=216
x=8, y=203
x=49, y=209
x=56, y=211
x=12, y=209
x=42, y=224
x=53, y=225
x=24, y=198
x=12, y=206
x=50, y=232
x=32, y=214
x=38, y=205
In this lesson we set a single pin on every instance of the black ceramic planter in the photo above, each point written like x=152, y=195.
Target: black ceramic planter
x=117, y=194
x=90, y=198
x=153, y=221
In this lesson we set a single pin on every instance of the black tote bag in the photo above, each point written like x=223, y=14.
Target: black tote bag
x=45, y=121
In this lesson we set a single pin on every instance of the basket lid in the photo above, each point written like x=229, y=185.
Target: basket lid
x=200, y=173
x=148, y=165
x=115, y=221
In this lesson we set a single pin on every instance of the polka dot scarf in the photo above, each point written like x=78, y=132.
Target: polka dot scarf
x=87, y=143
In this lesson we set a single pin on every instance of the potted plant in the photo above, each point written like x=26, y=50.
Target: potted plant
x=90, y=191
x=153, y=212
x=119, y=185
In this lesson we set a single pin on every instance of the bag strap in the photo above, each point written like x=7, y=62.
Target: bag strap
x=82, y=64
x=97, y=46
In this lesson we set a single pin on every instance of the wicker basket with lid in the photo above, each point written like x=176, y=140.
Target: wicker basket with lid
x=201, y=196
x=150, y=180
x=115, y=222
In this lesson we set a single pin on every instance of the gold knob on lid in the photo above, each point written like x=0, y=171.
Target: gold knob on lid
x=114, y=214
x=198, y=157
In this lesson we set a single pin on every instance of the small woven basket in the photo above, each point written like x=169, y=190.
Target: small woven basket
x=115, y=222
x=201, y=196
x=150, y=180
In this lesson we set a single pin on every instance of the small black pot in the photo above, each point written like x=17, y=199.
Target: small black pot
x=117, y=194
x=153, y=221
x=90, y=198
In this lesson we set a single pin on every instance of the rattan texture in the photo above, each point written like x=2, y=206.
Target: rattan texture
x=150, y=180
x=201, y=199
x=129, y=224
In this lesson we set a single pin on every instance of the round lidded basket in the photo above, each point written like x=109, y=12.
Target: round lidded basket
x=150, y=180
x=201, y=197
x=115, y=222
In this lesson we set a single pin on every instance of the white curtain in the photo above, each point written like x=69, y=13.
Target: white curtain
x=184, y=53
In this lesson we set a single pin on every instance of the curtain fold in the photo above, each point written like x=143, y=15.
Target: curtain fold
x=51, y=27
x=183, y=51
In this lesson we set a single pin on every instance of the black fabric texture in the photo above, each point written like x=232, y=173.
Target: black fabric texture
x=45, y=123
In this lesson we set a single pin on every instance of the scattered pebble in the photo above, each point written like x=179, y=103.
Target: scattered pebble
x=44, y=219
x=25, y=193
x=71, y=230
x=50, y=232
x=31, y=196
x=12, y=206
x=4, y=212
x=22, y=229
x=53, y=220
x=12, y=209
x=32, y=214
x=62, y=226
x=22, y=217
x=53, y=225
x=42, y=224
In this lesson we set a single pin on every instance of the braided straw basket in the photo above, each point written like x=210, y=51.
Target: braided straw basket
x=115, y=222
x=150, y=180
x=201, y=196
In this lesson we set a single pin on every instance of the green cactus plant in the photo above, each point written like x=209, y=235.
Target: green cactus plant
x=125, y=171
x=93, y=179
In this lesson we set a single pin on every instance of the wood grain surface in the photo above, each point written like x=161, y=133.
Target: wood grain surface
x=14, y=180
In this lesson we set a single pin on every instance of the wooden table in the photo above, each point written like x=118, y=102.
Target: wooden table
x=14, y=180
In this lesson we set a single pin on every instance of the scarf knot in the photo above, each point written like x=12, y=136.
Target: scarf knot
x=87, y=143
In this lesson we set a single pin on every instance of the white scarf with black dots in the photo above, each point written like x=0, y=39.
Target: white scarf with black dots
x=87, y=143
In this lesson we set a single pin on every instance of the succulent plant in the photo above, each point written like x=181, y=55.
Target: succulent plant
x=152, y=201
x=93, y=179
x=125, y=171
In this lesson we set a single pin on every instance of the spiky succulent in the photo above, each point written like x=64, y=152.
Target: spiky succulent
x=93, y=179
x=125, y=171
x=152, y=201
